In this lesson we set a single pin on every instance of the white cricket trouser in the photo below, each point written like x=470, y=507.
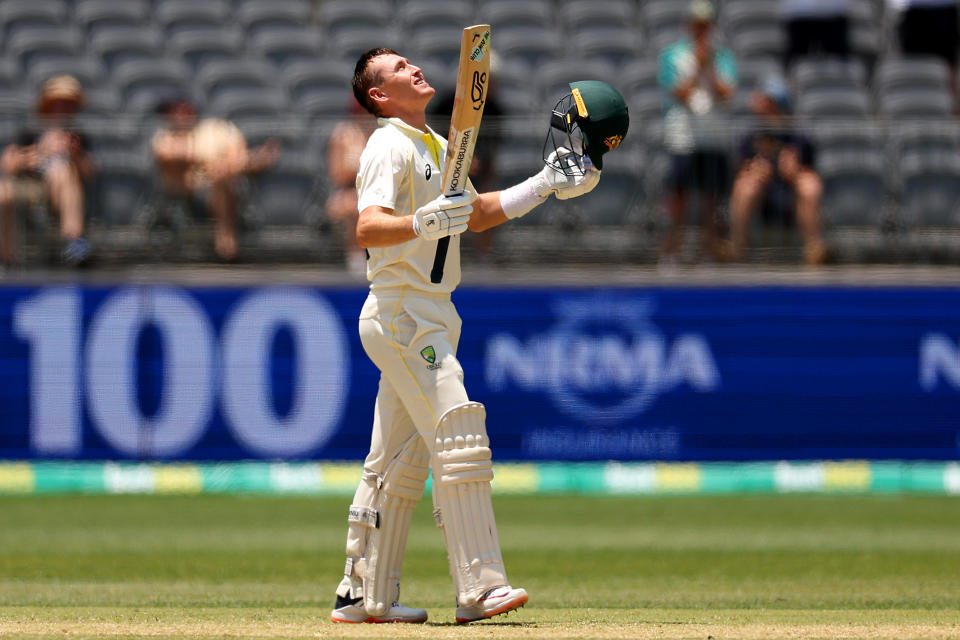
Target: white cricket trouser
x=412, y=338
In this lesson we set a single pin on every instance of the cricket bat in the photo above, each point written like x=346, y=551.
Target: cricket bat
x=473, y=77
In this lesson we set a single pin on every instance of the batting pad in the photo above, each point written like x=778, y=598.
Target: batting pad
x=462, y=471
x=379, y=522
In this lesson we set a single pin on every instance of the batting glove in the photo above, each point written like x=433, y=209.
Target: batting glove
x=444, y=216
x=580, y=177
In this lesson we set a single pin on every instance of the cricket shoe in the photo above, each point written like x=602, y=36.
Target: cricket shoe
x=493, y=603
x=351, y=610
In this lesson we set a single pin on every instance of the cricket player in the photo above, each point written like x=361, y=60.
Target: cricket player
x=423, y=417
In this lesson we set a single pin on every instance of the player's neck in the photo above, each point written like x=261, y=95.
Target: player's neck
x=415, y=118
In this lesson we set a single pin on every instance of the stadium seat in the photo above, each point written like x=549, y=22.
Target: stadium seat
x=198, y=48
x=318, y=89
x=866, y=30
x=738, y=15
x=287, y=193
x=93, y=16
x=511, y=82
x=916, y=103
x=847, y=101
x=895, y=74
x=855, y=192
x=243, y=103
x=530, y=46
x=517, y=13
x=117, y=46
x=29, y=46
x=554, y=78
x=11, y=82
x=256, y=17
x=617, y=46
x=175, y=16
x=87, y=69
x=101, y=102
x=930, y=193
x=348, y=43
x=664, y=21
x=29, y=14
x=284, y=47
x=220, y=75
x=576, y=15
x=340, y=15
x=759, y=40
x=142, y=84
x=815, y=73
x=123, y=187
x=419, y=17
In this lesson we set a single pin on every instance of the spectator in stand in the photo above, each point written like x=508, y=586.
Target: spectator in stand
x=48, y=168
x=346, y=143
x=776, y=174
x=699, y=78
x=203, y=161
x=815, y=28
x=930, y=27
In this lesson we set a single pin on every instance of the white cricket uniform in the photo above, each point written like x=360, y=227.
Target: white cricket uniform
x=408, y=325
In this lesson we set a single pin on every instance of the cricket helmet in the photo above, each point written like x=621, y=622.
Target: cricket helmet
x=590, y=120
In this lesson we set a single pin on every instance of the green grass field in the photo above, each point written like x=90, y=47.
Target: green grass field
x=656, y=567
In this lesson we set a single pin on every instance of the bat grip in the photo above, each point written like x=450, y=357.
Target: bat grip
x=436, y=274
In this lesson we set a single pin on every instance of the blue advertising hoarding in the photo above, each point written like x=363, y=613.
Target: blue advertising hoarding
x=276, y=373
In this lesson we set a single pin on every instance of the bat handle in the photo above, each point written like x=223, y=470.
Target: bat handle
x=436, y=274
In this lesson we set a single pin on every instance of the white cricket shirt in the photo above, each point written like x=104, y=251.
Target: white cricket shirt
x=400, y=170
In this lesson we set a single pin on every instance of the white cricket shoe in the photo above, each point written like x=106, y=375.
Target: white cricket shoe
x=493, y=603
x=351, y=610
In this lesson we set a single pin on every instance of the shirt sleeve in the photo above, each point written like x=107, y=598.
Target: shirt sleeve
x=378, y=177
x=726, y=67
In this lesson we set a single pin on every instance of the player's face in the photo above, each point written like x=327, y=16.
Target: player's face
x=403, y=83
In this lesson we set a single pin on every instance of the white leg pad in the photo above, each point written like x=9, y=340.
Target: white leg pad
x=379, y=522
x=462, y=471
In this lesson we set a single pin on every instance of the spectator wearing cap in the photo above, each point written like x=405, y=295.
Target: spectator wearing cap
x=698, y=79
x=202, y=162
x=48, y=168
x=776, y=174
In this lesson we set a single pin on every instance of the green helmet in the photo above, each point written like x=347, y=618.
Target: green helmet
x=592, y=119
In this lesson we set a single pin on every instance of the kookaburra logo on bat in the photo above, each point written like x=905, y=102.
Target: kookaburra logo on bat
x=476, y=91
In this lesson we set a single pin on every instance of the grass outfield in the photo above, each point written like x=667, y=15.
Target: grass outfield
x=653, y=567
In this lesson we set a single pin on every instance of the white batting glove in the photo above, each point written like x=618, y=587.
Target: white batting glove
x=444, y=216
x=585, y=176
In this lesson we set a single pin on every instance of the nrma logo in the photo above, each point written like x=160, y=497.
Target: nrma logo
x=603, y=361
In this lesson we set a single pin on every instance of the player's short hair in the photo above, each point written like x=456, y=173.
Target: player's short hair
x=364, y=78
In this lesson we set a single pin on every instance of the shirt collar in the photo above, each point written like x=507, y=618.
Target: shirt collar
x=403, y=126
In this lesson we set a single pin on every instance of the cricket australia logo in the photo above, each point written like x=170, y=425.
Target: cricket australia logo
x=429, y=354
x=612, y=142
